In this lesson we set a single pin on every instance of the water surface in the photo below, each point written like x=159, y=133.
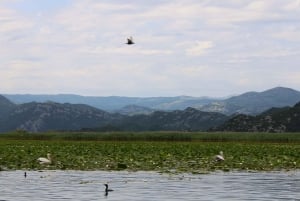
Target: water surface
x=88, y=185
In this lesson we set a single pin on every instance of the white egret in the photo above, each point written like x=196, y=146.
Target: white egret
x=220, y=157
x=47, y=160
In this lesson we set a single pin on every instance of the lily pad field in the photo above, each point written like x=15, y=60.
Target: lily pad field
x=153, y=151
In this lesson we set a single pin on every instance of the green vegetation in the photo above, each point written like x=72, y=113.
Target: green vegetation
x=156, y=136
x=158, y=151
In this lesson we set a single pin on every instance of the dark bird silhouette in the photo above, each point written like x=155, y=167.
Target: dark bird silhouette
x=107, y=189
x=130, y=41
x=25, y=174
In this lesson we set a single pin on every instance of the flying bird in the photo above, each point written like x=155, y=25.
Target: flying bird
x=220, y=157
x=43, y=160
x=130, y=41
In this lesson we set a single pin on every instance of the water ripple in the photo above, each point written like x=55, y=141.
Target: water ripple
x=88, y=185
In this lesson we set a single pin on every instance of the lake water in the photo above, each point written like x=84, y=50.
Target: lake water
x=88, y=185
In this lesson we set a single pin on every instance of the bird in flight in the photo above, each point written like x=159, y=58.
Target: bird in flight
x=130, y=41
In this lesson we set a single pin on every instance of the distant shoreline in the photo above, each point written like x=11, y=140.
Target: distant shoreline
x=155, y=136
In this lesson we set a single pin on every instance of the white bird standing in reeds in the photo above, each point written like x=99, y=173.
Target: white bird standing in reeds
x=44, y=161
x=220, y=157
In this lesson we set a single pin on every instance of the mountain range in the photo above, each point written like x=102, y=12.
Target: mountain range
x=189, y=119
x=254, y=103
x=35, y=117
x=36, y=113
x=286, y=119
x=251, y=103
x=116, y=103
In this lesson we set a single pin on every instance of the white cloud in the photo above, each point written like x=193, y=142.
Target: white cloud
x=289, y=34
x=292, y=5
x=125, y=51
x=192, y=47
x=11, y=22
x=200, y=48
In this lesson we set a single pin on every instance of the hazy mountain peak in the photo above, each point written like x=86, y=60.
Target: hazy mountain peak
x=256, y=102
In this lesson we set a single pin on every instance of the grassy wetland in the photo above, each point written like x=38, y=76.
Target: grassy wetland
x=153, y=151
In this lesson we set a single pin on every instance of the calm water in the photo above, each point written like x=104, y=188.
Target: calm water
x=88, y=185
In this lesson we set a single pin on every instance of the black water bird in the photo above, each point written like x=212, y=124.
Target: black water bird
x=25, y=174
x=130, y=41
x=107, y=189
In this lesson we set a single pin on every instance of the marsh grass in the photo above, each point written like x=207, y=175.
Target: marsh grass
x=158, y=151
x=156, y=136
x=195, y=157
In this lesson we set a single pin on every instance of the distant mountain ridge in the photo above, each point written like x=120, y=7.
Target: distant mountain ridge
x=275, y=109
x=286, y=119
x=5, y=106
x=131, y=110
x=115, y=103
x=189, y=119
x=254, y=103
x=248, y=103
x=36, y=117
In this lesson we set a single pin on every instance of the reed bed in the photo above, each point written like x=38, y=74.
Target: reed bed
x=156, y=136
x=162, y=156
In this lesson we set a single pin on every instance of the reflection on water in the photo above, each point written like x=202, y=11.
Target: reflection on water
x=88, y=185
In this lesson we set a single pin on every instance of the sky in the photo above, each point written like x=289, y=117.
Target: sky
x=196, y=48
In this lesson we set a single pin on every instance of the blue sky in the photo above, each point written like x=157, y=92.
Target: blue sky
x=194, y=47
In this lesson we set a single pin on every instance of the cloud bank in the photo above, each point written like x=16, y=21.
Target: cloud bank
x=197, y=48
